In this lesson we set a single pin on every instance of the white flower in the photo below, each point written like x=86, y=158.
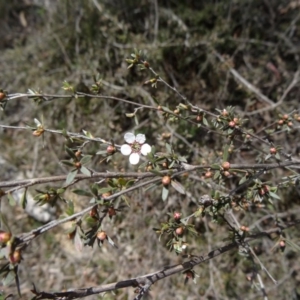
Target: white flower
x=135, y=147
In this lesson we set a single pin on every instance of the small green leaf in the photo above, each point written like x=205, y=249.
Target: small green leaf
x=9, y=278
x=242, y=180
x=165, y=193
x=101, y=152
x=82, y=193
x=85, y=171
x=24, y=199
x=11, y=200
x=4, y=221
x=86, y=159
x=67, y=163
x=168, y=147
x=60, y=191
x=205, y=122
x=71, y=176
x=78, y=242
x=178, y=187
x=225, y=152
x=111, y=242
x=70, y=209
x=88, y=134
x=70, y=153
x=136, y=121
x=166, y=109
x=293, y=245
x=273, y=195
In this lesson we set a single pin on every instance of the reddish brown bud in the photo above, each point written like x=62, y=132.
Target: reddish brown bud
x=224, y=113
x=280, y=122
x=177, y=216
x=94, y=212
x=179, y=231
x=111, y=212
x=105, y=195
x=231, y=124
x=199, y=118
x=38, y=132
x=110, y=149
x=282, y=243
x=273, y=150
x=226, y=165
x=189, y=274
x=101, y=235
x=146, y=65
x=208, y=174
x=4, y=236
x=2, y=96
x=166, y=180
x=78, y=153
x=285, y=117
x=15, y=257
x=77, y=165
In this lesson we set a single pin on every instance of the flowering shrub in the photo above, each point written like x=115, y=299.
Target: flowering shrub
x=220, y=172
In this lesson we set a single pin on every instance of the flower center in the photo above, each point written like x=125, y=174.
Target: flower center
x=136, y=147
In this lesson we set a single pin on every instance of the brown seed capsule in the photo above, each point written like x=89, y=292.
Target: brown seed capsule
x=146, y=65
x=94, y=212
x=15, y=257
x=189, y=274
x=208, y=174
x=280, y=122
x=282, y=243
x=224, y=113
x=110, y=149
x=177, y=216
x=77, y=165
x=111, y=212
x=2, y=96
x=226, y=165
x=78, y=153
x=231, y=124
x=226, y=173
x=105, y=195
x=38, y=132
x=101, y=235
x=179, y=231
x=199, y=118
x=4, y=236
x=166, y=180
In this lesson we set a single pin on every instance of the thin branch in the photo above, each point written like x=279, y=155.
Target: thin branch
x=144, y=282
x=175, y=172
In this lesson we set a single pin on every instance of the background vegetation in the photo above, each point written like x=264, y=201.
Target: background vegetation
x=241, y=56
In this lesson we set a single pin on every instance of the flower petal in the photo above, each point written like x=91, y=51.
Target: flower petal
x=145, y=149
x=134, y=158
x=126, y=149
x=129, y=137
x=140, y=138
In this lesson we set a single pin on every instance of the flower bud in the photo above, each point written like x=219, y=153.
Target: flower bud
x=15, y=257
x=101, y=235
x=166, y=180
x=4, y=236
